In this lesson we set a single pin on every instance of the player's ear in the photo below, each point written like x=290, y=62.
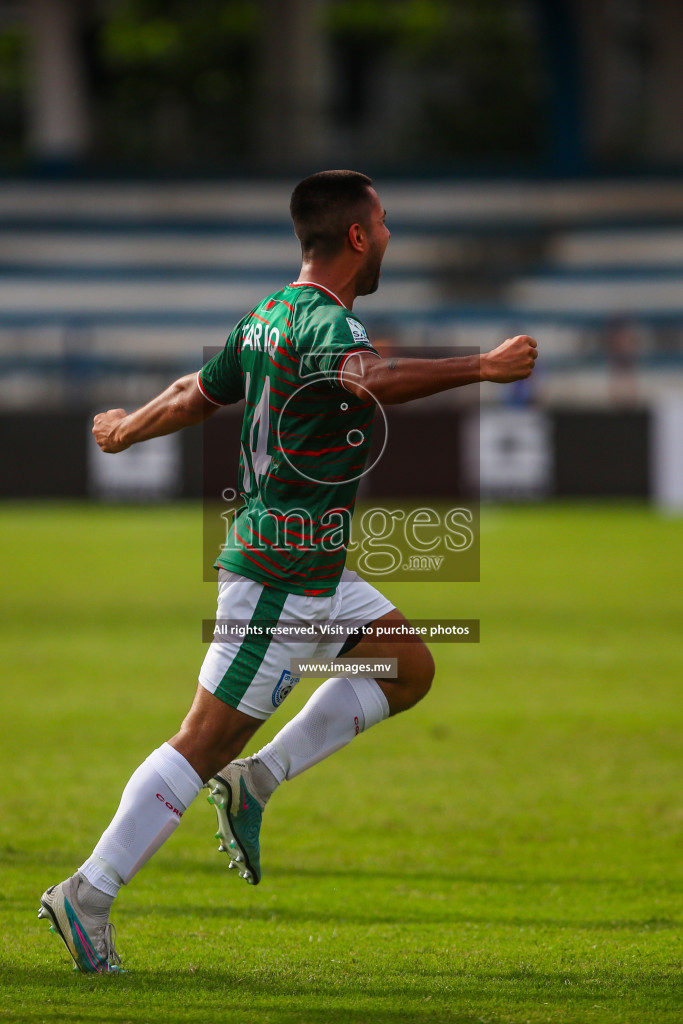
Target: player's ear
x=357, y=237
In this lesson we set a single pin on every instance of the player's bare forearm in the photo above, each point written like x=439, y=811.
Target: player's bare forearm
x=180, y=405
x=392, y=381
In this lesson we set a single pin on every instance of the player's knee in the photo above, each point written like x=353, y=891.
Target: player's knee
x=416, y=679
x=212, y=734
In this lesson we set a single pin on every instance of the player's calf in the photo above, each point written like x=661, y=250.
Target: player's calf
x=414, y=661
x=414, y=679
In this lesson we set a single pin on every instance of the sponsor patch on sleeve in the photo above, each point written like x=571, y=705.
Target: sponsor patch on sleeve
x=358, y=331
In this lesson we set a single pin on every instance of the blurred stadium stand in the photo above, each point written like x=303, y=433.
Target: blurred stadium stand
x=109, y=290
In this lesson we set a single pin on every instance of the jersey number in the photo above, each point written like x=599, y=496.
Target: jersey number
x=259, y=427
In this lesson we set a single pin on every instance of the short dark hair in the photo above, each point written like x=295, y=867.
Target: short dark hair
x=325, y=205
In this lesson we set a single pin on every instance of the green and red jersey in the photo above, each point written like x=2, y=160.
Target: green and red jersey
x=305, y=438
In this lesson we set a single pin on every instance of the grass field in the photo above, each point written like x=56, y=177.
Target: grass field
x=508, y=851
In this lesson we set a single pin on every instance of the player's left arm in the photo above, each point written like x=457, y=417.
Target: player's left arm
x=180, y=405
x=393, y=381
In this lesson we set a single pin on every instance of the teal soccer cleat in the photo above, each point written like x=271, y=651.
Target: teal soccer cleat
x=239, y=812
x=89, y=939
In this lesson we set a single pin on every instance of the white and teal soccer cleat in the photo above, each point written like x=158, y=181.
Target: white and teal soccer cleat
x=89, y=939
x=239, y=811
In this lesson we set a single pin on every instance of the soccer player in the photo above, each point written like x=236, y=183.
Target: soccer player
x=309, y=377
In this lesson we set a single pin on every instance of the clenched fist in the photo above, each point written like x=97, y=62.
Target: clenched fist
x=105, y=430
x=513, y=360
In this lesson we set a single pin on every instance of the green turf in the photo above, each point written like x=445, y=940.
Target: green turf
x=509, y=851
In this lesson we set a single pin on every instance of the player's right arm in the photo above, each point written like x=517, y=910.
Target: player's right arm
x=395, y=380
x=180, y=405
x=189, y=400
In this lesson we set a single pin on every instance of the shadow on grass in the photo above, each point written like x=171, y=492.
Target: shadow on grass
x=421, y=916
x=59, y=866
x=411, y=874
x=457, y=996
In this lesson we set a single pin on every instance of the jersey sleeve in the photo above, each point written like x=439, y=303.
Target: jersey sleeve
x=337, y=336
x=220, y=379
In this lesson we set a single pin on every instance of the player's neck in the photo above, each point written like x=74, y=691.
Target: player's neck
x=340, y=281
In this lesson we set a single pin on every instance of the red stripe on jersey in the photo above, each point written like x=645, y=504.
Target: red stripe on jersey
x=343, y=363
x=295, y=533
x=286, y=546
x=282, y=549
x=321, y=451
x=322, y=288
x=249, y=547
x=206, y=394
x=319, y=435
x=287, y=355
x=285, y=369
x=283, y=380
x=338, y=508
x=291, y=483
x=263, y=568
x=290, y=384
x=290, y=572
x=326, y=576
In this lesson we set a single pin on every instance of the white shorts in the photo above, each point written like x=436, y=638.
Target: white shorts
x=253, y=674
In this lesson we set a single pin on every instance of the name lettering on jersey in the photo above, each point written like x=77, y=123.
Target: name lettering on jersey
x=358, y=331
x=259, y=336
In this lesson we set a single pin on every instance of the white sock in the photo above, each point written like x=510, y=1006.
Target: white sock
x=152, y=804
x=336, y=712
x=98, y=902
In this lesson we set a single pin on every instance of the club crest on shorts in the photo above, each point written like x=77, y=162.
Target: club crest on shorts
x=285, y=685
